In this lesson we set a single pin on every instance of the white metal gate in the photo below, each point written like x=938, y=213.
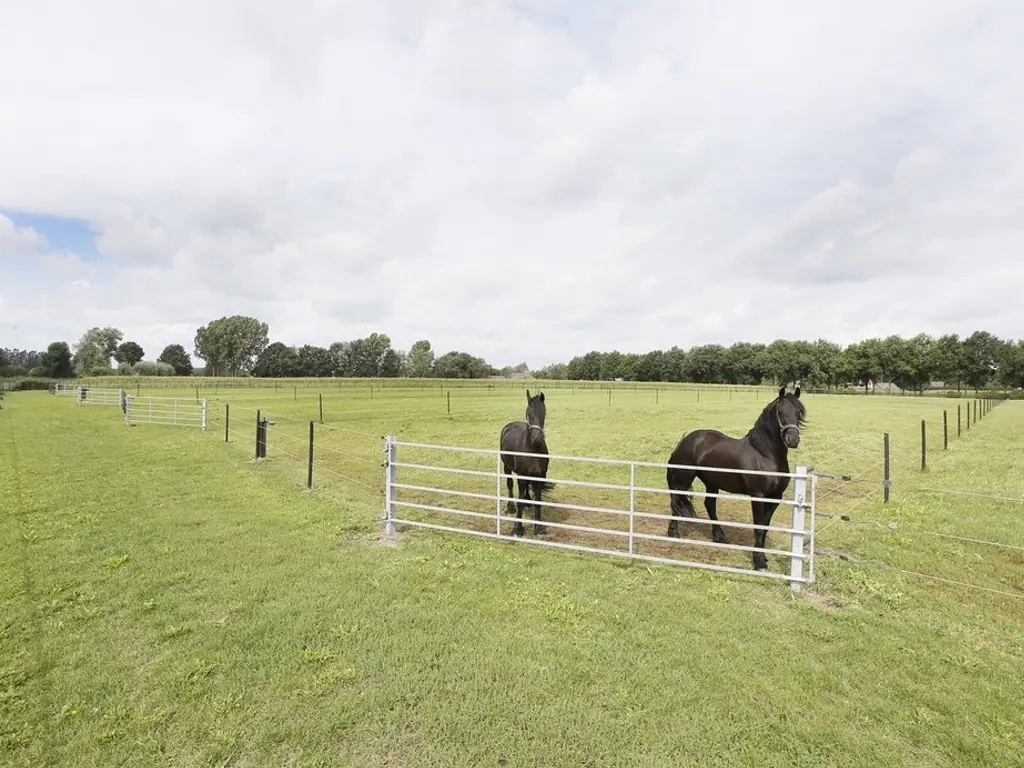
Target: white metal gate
x=178, y=412
x=99, y=396
x=609, y=499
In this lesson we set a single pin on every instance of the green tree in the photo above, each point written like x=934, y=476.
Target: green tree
x=317, y=362
x=980, y=358
x=705, y=364
x=1011, y=365
x=95, y=348
x=56, y=362
x=949, y=359
x=368, y=357
x=828, y=364
x=862, y=362
x=745, y=363
x=231, y=345
x=176, y=357
x=129, y=352
x=554, y=372
x=419, y=363
x=277, y=361
x=586, y=367
x=461, y=365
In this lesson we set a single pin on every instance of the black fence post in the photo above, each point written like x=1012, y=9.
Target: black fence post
x=886, y=481
x=449, y=398
x=958, y=419
x=321, y=407
x=259, y=430
x=945, y=430
x=227, y=422
x=309, y=474
x=924, y=446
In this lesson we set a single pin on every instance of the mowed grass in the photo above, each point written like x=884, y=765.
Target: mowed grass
x=167, y=601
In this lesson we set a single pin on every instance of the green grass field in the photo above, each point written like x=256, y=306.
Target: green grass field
x=166, y=600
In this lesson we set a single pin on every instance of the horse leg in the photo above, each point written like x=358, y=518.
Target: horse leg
x=517, y=529
x=538, y=488
x=680, y=505
x=710, y=504
x=763, y=512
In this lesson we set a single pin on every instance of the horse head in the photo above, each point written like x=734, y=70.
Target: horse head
x=535, y=410
x=791, y=415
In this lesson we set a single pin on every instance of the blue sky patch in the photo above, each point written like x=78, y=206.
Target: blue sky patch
x=61, y=234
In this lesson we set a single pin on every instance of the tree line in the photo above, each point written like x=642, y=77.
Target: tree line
x=979, y=360
x=239, y=345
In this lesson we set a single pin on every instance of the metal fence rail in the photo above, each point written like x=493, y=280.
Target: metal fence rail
x=64, y=389
x=97, y=396
x=178, y=412
x=605, y=509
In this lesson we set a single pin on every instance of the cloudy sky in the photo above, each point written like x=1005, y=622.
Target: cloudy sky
x=521, y=179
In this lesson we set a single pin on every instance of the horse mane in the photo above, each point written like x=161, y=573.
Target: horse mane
x=764, y=435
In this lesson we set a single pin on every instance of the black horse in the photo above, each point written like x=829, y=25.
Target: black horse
x=527, y=437
x=764, y=448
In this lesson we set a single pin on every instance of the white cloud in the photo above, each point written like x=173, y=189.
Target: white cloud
x=523, y=180
x=17, y=241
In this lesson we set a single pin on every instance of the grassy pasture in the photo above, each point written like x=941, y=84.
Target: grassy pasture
x=166, y=601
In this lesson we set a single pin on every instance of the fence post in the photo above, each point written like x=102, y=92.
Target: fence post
x=390, y=478
x=321, y=407
x=796, y=546
x=497, y=495
x=258, y=430
x=886, y=479
x=924, y=446
x=204, y=414
x=945, y=431
x=958, y=419
x=449, y=398
x=632, y=502
x=227, y=421
x=309, y=474
x=128, y=410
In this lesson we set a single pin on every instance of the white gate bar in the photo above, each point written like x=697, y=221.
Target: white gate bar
x=601, y=510
x=600, y=551
x=609, y=531
x=589, y=484
x=592, y=460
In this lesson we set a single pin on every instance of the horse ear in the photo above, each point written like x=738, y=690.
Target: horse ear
x=528, y=396
x=542, y=397
x=782, y=391
x=796, y=392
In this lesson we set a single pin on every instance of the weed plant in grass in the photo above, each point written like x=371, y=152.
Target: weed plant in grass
x=166, y=600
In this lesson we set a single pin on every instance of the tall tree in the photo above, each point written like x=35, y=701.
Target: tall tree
x=277, y=361
x=231, y=345
x=366, y=357
x=176, y=357
x=461, y=365
x=129, y=352
x=315, y=361
x=1011, y=365
x=419, y=363
x=56, y=361
x=95, y=348
x=980, y=358
x=949, y=359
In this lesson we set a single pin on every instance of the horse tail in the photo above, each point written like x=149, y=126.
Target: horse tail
x=679, y=480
